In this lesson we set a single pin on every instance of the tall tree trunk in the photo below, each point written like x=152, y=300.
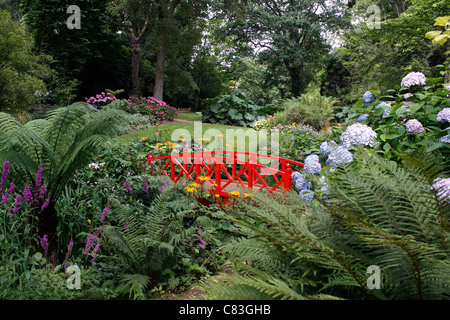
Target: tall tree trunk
x=136, y=48
x=295, y=75
x=166, y=10
x=135, y=61
x=160, y=60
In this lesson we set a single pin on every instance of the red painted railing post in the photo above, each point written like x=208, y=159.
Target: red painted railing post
x=287, y=177
x=250, y=175
x=185, y=159
x=218, y=177
x=197, y=168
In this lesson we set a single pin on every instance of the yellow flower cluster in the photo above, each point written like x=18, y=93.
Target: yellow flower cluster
x=192, y=187
x=237, y=194
x=202, y=178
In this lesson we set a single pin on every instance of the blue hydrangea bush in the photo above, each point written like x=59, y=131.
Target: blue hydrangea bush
x=412, y=118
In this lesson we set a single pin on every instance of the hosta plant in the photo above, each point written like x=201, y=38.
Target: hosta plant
x=232, y=109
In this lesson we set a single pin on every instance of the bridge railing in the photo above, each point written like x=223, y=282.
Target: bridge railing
x=225, y=168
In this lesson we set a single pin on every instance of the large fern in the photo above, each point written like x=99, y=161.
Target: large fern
x=379, y=213
x=63, y=142
x=147, y=241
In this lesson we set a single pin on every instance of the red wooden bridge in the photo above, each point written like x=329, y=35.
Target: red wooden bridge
x=227, y=170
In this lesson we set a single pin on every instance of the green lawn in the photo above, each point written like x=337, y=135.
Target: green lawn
x=189, y=116
x=237, y=138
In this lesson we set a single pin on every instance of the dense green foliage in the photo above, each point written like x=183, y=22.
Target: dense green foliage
x=380, y=213
x=23, y=73
x=232, y=109
x=359, y=91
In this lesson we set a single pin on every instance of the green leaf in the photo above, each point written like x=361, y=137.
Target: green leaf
x=401, y=130
x=435, y=146
x=358, y=104
x=440, y=40
x=442, y=21
x=432, y=34
x=234, y=114
x=416, y=107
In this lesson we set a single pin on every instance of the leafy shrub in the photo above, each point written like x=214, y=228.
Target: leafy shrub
x=407, y=119
x=23, y=73
x=297, y=141
x=232, y=109
x=380, y=214
x=101, y=99
x=151, y=107
x=310, y=109
x=157, y=111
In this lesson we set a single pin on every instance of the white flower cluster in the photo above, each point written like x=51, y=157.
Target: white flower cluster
x=96, y=165
x=358, y=134
x=444, y=115
x=413, y=126
x=413, y=79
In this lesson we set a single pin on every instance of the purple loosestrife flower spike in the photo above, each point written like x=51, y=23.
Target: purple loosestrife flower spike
x=39, y=177
x=105, y=213
x=45, y=205
x=42, y=192
x=44, y=243
x=4, y=176
x=17, y=203
x=69, y=247
x=11, y=188
x=5, y=198
x=27, y=195
x=89, y=239
x=145, y=188
x=202, y=242
x=163, y=186
x=128, y=187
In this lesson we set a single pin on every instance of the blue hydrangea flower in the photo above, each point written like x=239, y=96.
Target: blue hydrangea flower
x=303, y=185
x=311, y=158
x=339, y=156
x=326, y=147
x=323, y=183
x=445, y=139
x=413, y=126
x=387, y=111
x=363, y=117
x=442, y=188
x=358, y=134
x=312, y=167
x=369, y=97
x=297, y=175
x=444, y=115
x=307, y=195
x=413, y=79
